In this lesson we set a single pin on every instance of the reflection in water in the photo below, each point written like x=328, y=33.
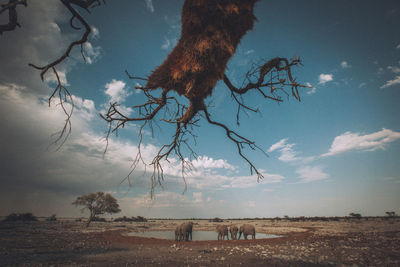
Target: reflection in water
x=197, y=235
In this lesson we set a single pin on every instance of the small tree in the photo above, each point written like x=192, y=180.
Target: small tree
x=97, y=203
x=355, y=215
x=391, y=214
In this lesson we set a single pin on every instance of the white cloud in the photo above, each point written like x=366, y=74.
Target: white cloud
x=398, y=46
x=288, y=154
x=394, y=69
x=313, y=89
x=95, y=32
x=344, y=65
x=91, y=53
x=166, y=45
x=311, y=173
x=209, y=163
x=324, y=78
x=278, y=145
x=248, y=52
x=51, y=77
x=251, y=181
x=369, y=142
x=149, y=5
x=116, y=91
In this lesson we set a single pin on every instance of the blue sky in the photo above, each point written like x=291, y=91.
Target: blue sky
x=335, y=152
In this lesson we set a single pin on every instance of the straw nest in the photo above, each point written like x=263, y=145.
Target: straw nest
x=211, y=32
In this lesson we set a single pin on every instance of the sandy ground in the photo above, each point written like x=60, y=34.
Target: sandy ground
x=373, y=242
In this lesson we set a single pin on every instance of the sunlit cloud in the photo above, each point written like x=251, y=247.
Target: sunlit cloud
x=355, y=141
x=287, y=152
x=116, y=91
x=394, y=69
x=311, y=173
x=391, y=82
x=344, y=65
x=313, y=89
x=91, y=54
x=251, y=180
x=324, y=78
x=149, y=5
x=166, y=45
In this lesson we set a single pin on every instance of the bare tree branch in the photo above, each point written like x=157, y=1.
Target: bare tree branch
x=12, y=15
x=278, y=74
x=60, y=89
x=175, y=113
x=266, y=79
x=240, y=142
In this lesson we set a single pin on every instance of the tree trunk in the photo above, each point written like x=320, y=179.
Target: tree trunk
x=90, y=219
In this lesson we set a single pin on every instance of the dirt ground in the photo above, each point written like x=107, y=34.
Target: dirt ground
x=373, y=242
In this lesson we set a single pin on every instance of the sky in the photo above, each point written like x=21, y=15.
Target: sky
x=335, y=152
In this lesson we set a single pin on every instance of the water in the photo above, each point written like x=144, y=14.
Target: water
x=197, y=235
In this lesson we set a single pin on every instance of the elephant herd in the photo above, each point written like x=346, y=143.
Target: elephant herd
x=184, y=231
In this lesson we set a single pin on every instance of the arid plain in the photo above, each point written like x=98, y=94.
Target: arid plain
x=349, y=242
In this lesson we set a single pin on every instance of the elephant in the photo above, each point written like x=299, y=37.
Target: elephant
x=234, y=230
x=247, y=229
x=178, y=236
x=222, y=231
x=186, y=230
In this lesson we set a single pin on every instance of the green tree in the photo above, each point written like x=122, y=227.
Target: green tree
x=97, y=203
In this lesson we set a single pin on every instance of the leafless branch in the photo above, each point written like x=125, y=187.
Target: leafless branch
x=60, y=89
x=267, y=79
x=175, y=113
x=240, y=141
x=12, y=15
x=64, y=97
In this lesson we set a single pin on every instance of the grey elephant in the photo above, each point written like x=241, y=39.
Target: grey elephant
x=186, y=230
x=178, y=235
x=233, y=229
x=247, y=229
x=222, y=231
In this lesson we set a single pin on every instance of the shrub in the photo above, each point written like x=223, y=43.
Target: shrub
x=52, y=218
x=98, y=219
x=132, y=219
x=25, y=217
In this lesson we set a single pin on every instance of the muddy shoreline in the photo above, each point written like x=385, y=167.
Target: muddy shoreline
x=66, y=242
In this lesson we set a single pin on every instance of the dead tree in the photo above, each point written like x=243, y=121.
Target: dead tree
x=211, y=32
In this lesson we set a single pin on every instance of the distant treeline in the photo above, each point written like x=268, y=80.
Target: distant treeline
x=292, y=219
x=352, y=216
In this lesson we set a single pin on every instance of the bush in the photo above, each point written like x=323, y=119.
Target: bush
x=25, y=217
x=132, y=219
x=216, y=219
x=52, y=218
x=98, y=219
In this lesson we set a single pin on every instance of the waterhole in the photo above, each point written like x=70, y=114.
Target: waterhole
x=197, y=235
